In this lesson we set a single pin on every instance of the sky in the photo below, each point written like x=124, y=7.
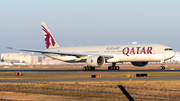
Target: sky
x=89, y=22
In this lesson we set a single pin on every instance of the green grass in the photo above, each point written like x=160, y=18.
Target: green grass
x=81, y=75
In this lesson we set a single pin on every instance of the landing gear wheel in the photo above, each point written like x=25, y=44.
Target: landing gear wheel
x=88, y=68
x=113, y=67
x=117, y=67
x=162, y=67
x=109, y=67
x=92, y=68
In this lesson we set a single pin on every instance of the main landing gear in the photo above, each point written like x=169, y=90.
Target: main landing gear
x=113, y=67
x=88, y=68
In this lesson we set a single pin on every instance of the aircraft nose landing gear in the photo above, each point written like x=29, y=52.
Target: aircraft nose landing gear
x=113, y=67
x=162, y=65
x=162, y=68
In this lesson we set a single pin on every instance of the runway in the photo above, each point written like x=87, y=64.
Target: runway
x=82, y=71
x=90, y=79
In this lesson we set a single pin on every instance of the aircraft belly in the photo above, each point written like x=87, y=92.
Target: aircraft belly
x=169, y=55
x=154, y=57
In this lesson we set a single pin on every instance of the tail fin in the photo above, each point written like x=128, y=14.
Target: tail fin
x=49, y=39
x=2, y=60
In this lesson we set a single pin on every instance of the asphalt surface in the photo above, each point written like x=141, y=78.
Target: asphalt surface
x=79, y=71
x=90, y=79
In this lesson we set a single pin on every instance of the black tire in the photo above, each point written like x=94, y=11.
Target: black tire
x=92, y=68
x=84, y=67
x=117, y=68
x=112, y=68
x=162, y=67
x=109, y=67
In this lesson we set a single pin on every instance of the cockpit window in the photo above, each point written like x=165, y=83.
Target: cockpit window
x=166, y=49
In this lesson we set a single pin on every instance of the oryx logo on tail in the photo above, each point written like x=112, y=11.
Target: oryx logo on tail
x=49, y=39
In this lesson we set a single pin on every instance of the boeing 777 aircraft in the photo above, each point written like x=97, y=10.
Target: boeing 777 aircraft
x=97, y=56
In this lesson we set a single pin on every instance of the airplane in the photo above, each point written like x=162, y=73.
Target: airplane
x=2, y=60
x=2, y=63
x=97, y=56
x=18, y=64
x=5, y=63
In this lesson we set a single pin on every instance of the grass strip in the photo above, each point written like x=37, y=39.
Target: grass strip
x=83, y=75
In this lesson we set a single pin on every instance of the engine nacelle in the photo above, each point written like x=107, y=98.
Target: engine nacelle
x=95, y=61
x=139, y=63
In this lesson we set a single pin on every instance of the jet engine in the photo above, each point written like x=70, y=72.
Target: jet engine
x=95, y=61
x=139, y=63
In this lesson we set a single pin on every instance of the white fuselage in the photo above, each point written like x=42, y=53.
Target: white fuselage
x=120, y=53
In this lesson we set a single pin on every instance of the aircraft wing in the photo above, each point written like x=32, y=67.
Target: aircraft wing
x=60, y=53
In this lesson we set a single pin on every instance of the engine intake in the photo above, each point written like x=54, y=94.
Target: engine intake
x=95, y=61
x=139, y=63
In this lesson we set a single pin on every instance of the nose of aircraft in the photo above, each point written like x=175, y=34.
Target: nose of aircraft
x=170, y=54
x=173, y=53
